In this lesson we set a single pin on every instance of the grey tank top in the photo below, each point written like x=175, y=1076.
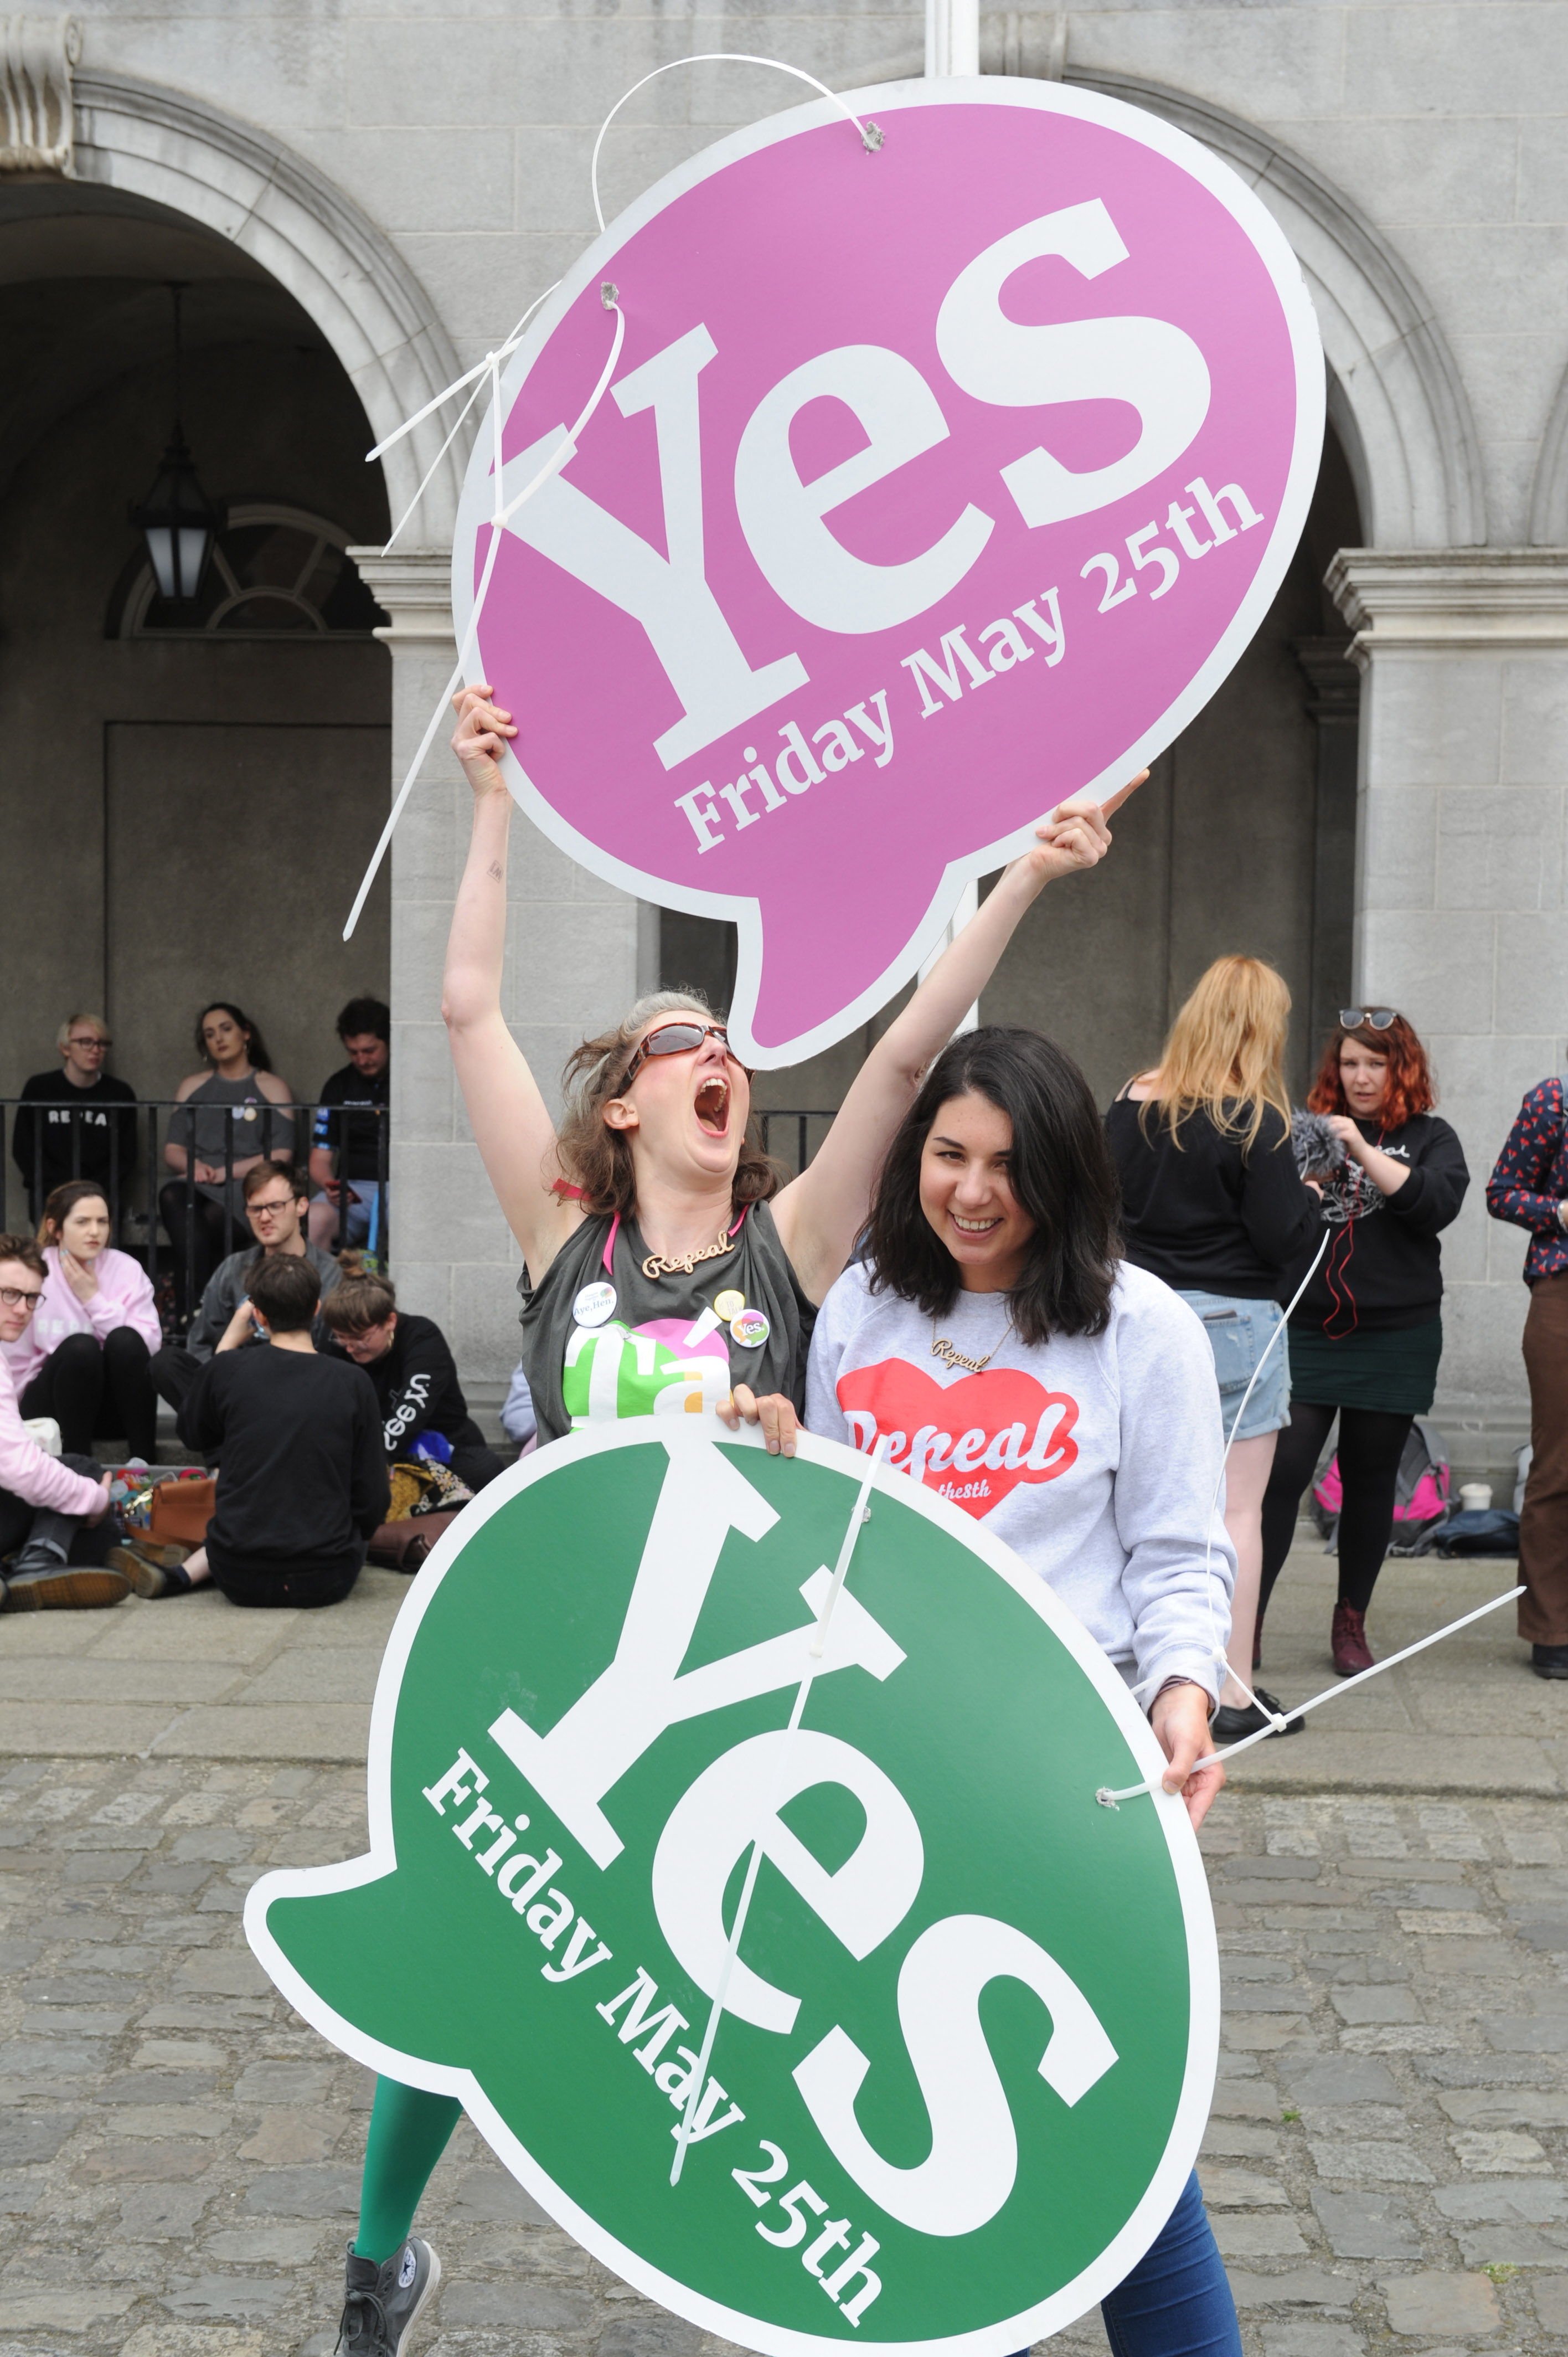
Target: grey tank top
x=218, y=1114
x=601, y=1339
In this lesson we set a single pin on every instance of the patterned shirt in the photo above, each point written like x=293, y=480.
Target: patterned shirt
x=1531, y=1179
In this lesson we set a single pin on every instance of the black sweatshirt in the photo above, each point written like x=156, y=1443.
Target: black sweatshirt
x=298, y=1442
x=417, y=1389
x=1209, y=1216
x=1383, y=1268
x=102, y=1156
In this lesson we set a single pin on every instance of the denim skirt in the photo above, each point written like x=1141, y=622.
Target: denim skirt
x=1239, y=1332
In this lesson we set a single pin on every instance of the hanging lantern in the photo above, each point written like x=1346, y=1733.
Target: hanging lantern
x=176, y=519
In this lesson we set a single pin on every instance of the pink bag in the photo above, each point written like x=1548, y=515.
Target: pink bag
x=1421, y=1496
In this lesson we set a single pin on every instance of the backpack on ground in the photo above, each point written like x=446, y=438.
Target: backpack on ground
x=1422, y=1494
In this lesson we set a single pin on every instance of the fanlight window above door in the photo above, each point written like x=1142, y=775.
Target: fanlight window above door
x=276, y=573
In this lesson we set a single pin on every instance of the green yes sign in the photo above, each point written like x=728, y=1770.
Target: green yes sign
x=947, y=2084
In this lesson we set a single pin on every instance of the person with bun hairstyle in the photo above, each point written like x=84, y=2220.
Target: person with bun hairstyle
x=85, y=1357
x=1366, y=1341
x=411, y=1366
x=1211, y=1202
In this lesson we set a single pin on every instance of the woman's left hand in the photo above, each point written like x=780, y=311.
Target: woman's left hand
x=81, y=1275
x=774, y=1412
x=1180, y=1721
x=1075, y=835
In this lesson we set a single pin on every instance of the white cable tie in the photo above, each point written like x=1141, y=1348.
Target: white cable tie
x=1110, y=1800
x=870, y=137
x=564, y=450
x=503, y=351
x=859, y=1516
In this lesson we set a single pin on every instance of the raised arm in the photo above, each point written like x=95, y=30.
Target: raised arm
x=511, y=1121
x=822, y=1212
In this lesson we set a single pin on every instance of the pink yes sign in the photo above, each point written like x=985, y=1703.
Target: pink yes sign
x=933, y=485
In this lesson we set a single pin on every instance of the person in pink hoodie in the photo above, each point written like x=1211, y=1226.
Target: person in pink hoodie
x=84, y=1359
x=46, y=1502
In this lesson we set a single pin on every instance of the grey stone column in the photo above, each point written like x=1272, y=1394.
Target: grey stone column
x=572, y=968
x=1460, y=916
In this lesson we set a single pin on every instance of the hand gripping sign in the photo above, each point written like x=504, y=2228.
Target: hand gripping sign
x=967, y=2042
x=1030, y=399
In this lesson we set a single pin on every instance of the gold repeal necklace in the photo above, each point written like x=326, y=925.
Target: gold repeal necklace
x=952, y=1356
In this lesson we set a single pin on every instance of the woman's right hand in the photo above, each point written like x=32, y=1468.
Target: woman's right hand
x=105, y=1492
x=482, y=730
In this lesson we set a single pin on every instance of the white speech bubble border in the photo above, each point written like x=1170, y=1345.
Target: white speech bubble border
x=881, y=100
x=1001, y=2339
x=1174, y=2167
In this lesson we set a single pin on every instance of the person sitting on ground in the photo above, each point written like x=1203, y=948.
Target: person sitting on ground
x=224, y=1126
x=48, y=1505
x=84, y=1356
x=416, y=1377
x=302, y=1480
x=276, y=1202
x=78, y=1136
x=346, y=1159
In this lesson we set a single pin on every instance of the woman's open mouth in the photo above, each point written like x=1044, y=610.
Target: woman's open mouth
x=974, y=1227
x=712, y=1104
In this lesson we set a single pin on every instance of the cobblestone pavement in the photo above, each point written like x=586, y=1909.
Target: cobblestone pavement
x=178, y=2155
x=1387, y=2164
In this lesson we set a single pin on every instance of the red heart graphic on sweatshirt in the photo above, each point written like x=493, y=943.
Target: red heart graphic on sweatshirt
x=972, y=1442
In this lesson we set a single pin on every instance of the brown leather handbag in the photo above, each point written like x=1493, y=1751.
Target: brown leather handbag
x=181, y=1510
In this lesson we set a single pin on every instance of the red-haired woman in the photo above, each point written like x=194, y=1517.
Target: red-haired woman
x=1366, y=1341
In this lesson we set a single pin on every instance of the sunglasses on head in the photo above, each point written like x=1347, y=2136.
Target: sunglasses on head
x=1374, y=1018
x=677, y=1040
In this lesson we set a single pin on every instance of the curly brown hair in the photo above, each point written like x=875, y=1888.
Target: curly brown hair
x=1411, y=1087
x=596, y=1159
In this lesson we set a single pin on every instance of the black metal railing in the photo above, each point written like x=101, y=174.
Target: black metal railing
x=120, y=1147
x=772, y=1119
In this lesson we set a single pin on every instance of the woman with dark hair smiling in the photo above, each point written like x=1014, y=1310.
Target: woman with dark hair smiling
x=1367, y=1338
x=1015, y=1364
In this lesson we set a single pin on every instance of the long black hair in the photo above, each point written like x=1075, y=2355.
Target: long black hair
x=1061, y=1170
x=256, y=1046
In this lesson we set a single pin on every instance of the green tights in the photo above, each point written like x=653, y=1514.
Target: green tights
x=410, y=2130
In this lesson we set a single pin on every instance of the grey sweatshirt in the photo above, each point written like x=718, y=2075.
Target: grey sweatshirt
x=1094, y=1458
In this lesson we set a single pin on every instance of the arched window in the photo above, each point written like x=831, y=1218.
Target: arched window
x=275, y=573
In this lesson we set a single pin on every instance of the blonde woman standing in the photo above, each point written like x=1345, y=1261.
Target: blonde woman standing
x=1213, y=1204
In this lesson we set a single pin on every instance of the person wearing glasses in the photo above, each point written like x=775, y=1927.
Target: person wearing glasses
x=77, y=1122
x=1367, y=1338
x=85, y=1359
x=46, y=1503
x=276, y=1201
x=664, y=1270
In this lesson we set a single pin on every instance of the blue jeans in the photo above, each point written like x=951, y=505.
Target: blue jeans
x=1177, y=2302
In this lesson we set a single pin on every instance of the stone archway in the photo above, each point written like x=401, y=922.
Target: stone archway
x=1395, y=395
x=150, y=141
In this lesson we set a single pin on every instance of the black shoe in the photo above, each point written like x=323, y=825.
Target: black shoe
x=381, y=2305
x=1549, y=1661
x=1229, y=1725
x=58, y=1589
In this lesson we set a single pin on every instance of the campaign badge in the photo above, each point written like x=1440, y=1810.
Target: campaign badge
x=594, y=1303
x=763, y=1920
x=750, y=1330
x=977, y=458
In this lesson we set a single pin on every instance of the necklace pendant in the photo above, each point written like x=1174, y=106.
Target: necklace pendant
x=950, y=1356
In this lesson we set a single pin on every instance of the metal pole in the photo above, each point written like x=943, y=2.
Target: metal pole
x=952, y=36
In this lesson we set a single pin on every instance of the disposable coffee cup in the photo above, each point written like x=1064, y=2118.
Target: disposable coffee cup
x=1475, y=1497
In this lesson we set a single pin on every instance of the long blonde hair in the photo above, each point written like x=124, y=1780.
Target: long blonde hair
x=1225, y=1052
